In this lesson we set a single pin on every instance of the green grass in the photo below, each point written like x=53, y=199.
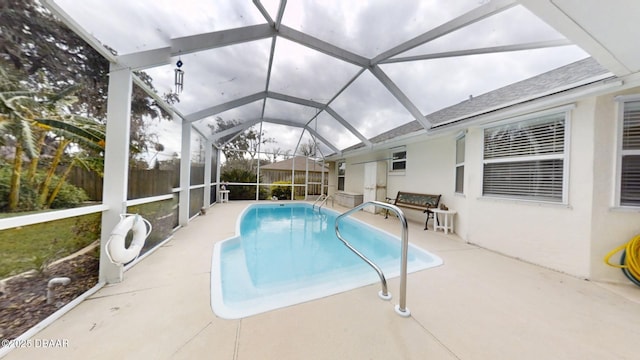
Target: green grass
x=33, y=247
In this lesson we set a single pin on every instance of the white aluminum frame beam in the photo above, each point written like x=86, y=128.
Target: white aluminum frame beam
x=283, y=5
x=264, y=12
x=481, y=12
x=236, y=129
x=214, y=110
x=400, y=96
x=485, y=50
x=320, y=106
x=553, y=15
x=305, y=127
x=195, y=43
x=322, y=46
x=348, y=125
x=79, y=30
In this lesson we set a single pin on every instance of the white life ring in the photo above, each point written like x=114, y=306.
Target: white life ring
x=116, y=250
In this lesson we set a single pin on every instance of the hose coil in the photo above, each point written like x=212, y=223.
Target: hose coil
x=629, y=260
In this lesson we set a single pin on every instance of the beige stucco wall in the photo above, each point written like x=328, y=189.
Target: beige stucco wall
x=572, y=237
x=611, y=226
x=551, y=235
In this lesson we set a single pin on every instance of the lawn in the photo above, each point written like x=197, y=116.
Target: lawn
x=35, y=246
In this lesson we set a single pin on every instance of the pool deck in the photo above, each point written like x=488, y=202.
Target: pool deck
x=478, y=305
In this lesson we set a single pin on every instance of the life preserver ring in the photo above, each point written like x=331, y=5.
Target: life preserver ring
x=115, y=248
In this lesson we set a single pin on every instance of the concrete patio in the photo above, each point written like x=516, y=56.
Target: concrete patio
x=478, y=305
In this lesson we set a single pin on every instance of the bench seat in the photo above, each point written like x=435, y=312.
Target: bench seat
x=416, y=201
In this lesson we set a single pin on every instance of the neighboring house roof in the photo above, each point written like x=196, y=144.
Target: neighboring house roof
x=563, y=78
x=286, y=165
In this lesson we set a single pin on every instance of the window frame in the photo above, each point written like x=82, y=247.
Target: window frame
x=393, y=160
x=565, y=156
x=460, y=164
x=341, y=176
x=620, y=151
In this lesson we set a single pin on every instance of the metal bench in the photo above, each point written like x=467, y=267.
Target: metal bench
x=416, y=201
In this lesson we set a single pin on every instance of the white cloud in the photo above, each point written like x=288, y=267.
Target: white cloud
x=367, y=28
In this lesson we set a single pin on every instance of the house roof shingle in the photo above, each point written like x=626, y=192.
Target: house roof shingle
x=573, y=74
x=286, y=165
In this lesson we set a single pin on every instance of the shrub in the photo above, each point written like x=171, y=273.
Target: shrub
x=242, y=192
x=282, y=192
x=69, y=195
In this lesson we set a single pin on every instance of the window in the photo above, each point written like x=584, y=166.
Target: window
x=460, y=165
x=629, y=183
x=342, y=167
x=399, y=160
x=526, y=159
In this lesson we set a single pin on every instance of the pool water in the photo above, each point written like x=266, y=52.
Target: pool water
x=288, y=254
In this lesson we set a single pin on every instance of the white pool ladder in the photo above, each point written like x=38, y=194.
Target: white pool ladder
x=401, y=308
x=322, y=199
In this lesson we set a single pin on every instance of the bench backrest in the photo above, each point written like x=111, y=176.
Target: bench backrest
x=417, y=200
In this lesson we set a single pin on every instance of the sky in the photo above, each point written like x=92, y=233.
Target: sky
x=366, y=28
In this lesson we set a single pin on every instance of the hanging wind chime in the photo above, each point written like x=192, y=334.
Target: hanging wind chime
x=179, y=77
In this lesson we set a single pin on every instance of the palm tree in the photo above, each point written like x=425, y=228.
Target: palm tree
x=22, y=112
x=86, y=133
x=16, y=117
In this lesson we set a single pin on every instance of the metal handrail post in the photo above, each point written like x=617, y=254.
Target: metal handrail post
x=401, y=308
x=327, y=197
x=322, y=197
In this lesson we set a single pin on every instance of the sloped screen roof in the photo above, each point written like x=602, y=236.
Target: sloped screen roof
x=345, y=71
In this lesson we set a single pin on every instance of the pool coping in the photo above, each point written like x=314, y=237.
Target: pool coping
x=293, y=297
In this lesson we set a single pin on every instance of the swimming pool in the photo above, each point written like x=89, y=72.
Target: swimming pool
x=288, y=254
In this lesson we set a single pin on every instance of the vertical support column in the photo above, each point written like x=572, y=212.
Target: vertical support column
x=218, y=168
x=306, y=178
x=322, y=187
x=185, y=174
x=208, y=151
x=293, y=177
x=116, y=165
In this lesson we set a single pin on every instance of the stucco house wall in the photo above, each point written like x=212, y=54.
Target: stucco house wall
x=611, y=226
x=572, y=237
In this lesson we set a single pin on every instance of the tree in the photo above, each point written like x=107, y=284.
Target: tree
x=236, y=145
x=24, y=112
x=16, y=117
x=45, y=62
x=49, y=55
x=308, y=149
x=278, y=152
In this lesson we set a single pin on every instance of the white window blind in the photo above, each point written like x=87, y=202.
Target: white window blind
x=630, y=164
x=526, y=159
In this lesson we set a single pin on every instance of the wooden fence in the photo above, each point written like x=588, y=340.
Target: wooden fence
x=153, y=182
x=142, y=183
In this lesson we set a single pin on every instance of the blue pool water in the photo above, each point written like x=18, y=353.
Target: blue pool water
x=288, y=254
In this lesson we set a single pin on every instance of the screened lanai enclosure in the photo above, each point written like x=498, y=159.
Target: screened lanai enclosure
x=239, y=90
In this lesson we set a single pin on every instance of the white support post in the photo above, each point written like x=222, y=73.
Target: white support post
x=306, y=178
x=218, y=168
x=208, y=151
x=185, y=174
x=116, y=165
x=293, y=176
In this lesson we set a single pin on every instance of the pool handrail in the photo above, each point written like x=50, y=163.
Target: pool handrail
x=401, y=308
x=326, y=198
x=322, y=199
